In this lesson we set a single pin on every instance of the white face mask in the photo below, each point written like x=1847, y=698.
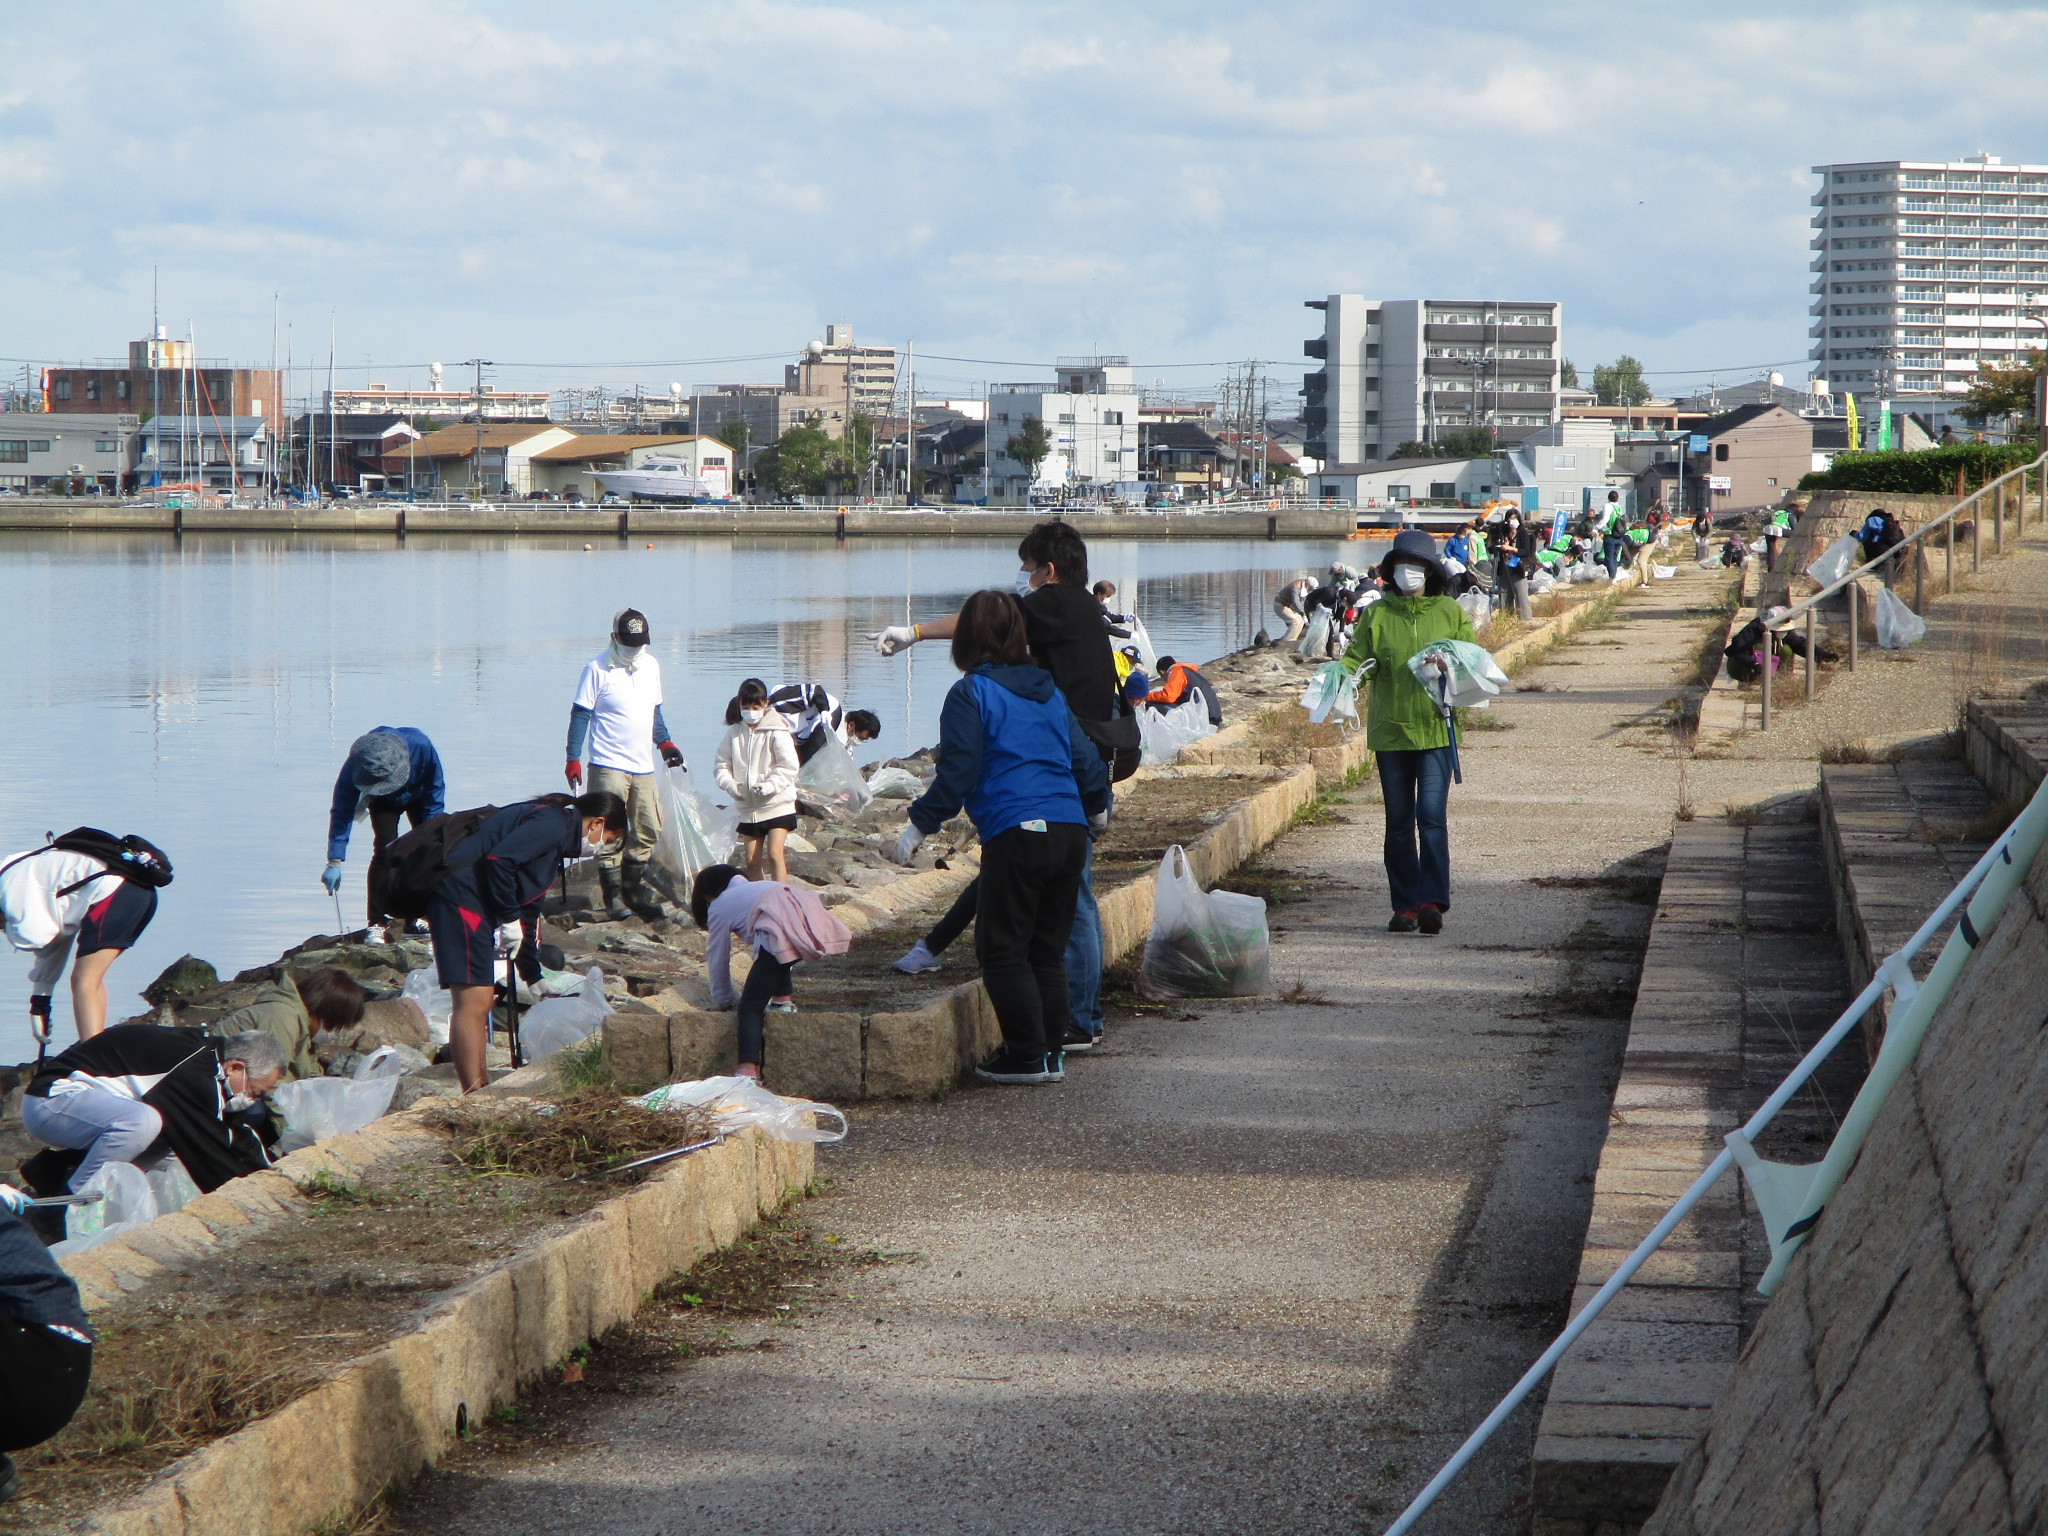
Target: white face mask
x=752, y=716
x=592, y=849
x=237, y=1102
x=1410, y=578
x=1023, y=583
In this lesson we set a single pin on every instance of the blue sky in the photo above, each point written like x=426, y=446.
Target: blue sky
x=690, y=192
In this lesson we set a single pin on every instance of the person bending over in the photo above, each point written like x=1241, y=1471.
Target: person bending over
x=88, y=889
x=390, y=772
x=783, y=925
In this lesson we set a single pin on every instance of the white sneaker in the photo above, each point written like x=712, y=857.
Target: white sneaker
x=919, y=959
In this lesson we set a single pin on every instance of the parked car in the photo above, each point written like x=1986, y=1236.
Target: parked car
x=611, y=499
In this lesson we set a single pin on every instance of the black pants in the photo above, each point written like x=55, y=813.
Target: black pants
x=383, y=830
x=769, y=978
x=43, y=1377
x=1029, y=883
x=958, y=916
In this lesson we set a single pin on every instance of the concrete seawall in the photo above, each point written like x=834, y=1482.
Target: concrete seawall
x=401, y=520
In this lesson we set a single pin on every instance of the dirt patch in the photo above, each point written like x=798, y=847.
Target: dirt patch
x=200, y=1354
x=1155, y=813
x=1285, y=736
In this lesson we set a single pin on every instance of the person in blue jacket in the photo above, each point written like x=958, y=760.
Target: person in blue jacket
x=391, y=771
x=45, y=1341
x=496, y=877
x=1011, y=752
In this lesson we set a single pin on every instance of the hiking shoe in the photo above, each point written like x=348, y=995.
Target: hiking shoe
x=1078, y=1040
x=919, y=959
x=781, y=1005
x=1431, y=918
x=1008, y=1066
x=1055, y=1066
x=1401, y=922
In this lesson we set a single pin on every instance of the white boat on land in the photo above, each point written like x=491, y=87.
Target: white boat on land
x=656, y=479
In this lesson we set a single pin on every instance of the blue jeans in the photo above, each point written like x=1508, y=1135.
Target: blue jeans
x=1417, y=789
x=1613, y=551
x=1084, y=954
x=107, y=1127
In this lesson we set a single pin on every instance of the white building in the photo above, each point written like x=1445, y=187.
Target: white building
x=39, y=450
x=1090, y=412
x=1922, y=269
x=1570, y=464
x=1406, y=370
x=444, y=404
x=575, y=465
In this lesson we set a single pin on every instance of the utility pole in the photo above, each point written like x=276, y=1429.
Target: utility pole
x=476, y=477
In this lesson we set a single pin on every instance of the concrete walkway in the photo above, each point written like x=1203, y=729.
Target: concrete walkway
x=1254, y=1269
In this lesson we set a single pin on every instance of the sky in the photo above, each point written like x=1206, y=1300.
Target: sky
x=611, y=193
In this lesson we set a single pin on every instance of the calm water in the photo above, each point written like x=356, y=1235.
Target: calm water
x=204, y=695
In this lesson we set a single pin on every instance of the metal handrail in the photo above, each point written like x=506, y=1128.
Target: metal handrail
x=1804, y=604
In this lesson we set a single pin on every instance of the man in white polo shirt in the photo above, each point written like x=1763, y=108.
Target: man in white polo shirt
x=618, y=711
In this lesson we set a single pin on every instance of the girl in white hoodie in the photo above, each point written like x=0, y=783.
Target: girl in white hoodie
x=757, y=766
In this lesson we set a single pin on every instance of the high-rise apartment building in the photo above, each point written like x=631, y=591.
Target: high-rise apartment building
x=1405, y=370
x=1923, y=269
x=1090, y=416
x=862, y=377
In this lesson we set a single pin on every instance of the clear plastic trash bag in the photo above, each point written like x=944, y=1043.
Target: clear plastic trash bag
x=316, y=1109
x=734, y=1103
x=1332, y=691
x=424, y=989
x=1477, y=609
x=695, y=833
x=830, y=782
x=1458, y=673
x=130, y=1203
x=893, y=783
x=1203, y=943
x=1897, y=625
x=1316, y=637
x=1148, y=658
x=555, y=1023
x=1163, y=732
x=1835, y=561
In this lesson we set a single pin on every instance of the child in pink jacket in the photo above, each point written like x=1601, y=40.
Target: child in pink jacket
x=783, y=924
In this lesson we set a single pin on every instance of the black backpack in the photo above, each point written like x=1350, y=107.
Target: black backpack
x=413, y=866
x=134, y=859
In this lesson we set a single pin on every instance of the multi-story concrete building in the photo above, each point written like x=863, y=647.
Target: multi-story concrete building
x=1090, y=412
x=441, y=404
x=1922, y=269
x=863, y=379
x=41, y=450
x=1405, y=370
x=165, y=379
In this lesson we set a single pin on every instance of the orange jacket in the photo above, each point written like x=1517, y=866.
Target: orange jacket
x=1174, y=689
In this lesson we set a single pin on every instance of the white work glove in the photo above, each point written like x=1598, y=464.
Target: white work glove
x=906, y=845
x=1097, y=825
x=510, y=937
x=897, y=637
x=16, y=1200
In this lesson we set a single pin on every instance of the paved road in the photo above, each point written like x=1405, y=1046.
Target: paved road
x=1252, y=1271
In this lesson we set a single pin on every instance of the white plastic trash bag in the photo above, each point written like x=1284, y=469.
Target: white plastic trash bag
x=1897, y=625
x=830, y=782
x=1458, y=673
x=1162, y=733
x=1541, y=583
x=695, y=834
x=129, y=1203
x=423, y=987
x=1663, y=572
x=316, y=1109
x=893, y=783
x=1477, y=609
x=1332, y=691
x=1316, y=637
x=173, y=1187
x=734, y=1103
x=555, y=1023
x=1147, y=657
x=1202, y=943
x=1835, y=561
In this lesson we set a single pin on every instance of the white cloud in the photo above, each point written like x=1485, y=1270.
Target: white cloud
x=630, y=181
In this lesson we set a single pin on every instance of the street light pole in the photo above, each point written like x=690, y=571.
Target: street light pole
x=476, y=476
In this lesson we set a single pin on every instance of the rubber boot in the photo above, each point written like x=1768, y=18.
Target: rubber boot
x=608, y=879
x=640, y=897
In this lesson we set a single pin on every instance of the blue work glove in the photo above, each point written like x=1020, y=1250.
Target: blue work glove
x=331, y=877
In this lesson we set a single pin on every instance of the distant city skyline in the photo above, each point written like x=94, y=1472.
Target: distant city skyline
x=686, y=194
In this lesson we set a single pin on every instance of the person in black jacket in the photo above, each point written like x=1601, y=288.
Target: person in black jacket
x=1880, y=532
x=1514, y=562
x=45, y=1341
x=135, y=1088
x=496, y=876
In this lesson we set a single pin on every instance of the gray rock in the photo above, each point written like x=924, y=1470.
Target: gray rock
x=183, y=977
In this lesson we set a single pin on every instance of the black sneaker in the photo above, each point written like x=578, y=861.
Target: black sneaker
x=1401, y=922
x=1431, y=918
x=1008, y=1066
x=1078, y=1040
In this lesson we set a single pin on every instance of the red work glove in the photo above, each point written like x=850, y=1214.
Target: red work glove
x=574, y=774
x=670, y=753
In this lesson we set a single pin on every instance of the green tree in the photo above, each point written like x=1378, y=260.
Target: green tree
x=735, y=434
x=852, y=453
x=1620, y=382
x=2008, y=392
x=798, y=463
x=1464, y=443
x=1413, y=449
x=1567, y=374
x=1030, y=447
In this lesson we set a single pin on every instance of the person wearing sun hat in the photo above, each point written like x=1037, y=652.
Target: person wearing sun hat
x=391, y=771
x=1405, y=727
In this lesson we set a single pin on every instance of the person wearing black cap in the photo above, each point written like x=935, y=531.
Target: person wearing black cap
x=391, y=771
x=618, y=713
x=1405, y=727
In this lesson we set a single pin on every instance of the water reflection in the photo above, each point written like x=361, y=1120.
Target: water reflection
x=203, y=693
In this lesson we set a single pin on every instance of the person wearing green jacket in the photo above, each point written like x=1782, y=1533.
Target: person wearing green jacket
x=1406, y=729
x=294, y=1008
